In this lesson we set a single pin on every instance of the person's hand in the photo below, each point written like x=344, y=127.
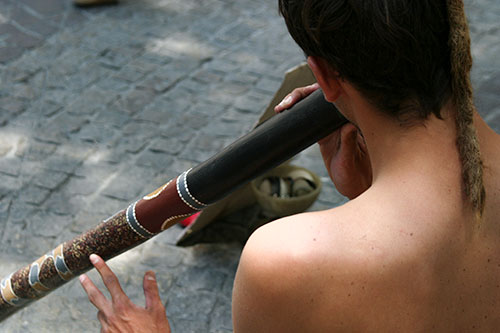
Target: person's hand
x=346, y=159
x=344, y=151
x=296, y=95
x=119, y=314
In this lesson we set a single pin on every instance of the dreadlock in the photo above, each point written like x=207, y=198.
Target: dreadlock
x=467, y=142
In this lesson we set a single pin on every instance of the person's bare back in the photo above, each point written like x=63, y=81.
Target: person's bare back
x=418, y=246
x=403, y=256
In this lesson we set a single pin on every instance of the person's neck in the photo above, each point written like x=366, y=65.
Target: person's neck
x=399, y=150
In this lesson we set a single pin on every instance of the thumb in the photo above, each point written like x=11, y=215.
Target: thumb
x=151, y=290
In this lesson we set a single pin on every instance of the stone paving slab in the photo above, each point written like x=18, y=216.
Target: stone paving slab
x=99, y=106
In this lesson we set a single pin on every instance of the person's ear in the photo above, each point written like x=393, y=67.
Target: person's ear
x=326, y=76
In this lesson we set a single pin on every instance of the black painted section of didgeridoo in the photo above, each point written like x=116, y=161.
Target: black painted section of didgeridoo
x=267, y=146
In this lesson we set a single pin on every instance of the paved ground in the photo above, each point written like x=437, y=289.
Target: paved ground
x=99, y=106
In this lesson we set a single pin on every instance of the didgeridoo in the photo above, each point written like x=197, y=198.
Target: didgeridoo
x=268, y=145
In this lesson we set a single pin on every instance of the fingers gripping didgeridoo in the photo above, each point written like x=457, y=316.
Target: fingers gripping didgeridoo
x=267, y=146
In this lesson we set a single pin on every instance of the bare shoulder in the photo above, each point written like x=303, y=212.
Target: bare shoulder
x=322, y=271
x=303, y=273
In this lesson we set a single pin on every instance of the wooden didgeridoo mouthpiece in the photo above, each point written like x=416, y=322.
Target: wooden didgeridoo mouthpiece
x=270, y=144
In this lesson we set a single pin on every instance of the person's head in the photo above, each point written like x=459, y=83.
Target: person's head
x=395, y=52
x=407, y=57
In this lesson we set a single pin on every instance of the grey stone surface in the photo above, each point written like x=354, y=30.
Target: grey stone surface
x=100, y=105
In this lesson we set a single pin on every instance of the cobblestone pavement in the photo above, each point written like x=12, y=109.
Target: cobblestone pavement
x=99, y=106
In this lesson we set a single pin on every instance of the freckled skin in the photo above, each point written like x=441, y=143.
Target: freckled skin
x=406, y=254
